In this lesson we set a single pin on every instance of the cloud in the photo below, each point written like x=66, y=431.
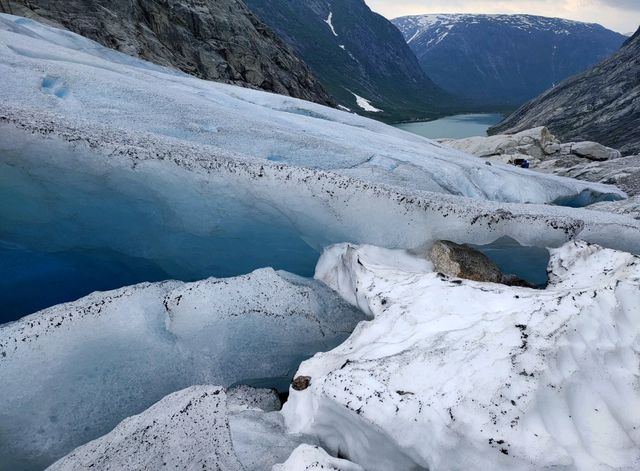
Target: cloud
x=619, y=15
x=623, y=4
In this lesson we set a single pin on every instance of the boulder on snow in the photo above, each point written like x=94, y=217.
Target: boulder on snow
x=594, y=151
x=461, y=261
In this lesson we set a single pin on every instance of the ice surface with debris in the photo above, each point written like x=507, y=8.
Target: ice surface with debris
x=452, y=374
x=72, y=372
x=64, y=74
x=195, y=428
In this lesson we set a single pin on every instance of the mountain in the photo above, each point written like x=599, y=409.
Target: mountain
x=504, y=59
x=212, y=39
x=358, y=55
x=602, y=104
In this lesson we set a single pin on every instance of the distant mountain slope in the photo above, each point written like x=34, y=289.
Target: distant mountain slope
x=354, y=51
x=602, y=104
x=505, y=59
x=212, y=39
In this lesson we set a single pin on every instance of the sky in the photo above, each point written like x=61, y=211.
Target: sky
x=619, y=15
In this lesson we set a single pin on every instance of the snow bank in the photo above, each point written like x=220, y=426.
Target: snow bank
x=72, y=372
x=454, y=374
x=64, y=74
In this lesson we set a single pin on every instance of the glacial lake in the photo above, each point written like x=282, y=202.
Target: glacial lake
x=453, y=127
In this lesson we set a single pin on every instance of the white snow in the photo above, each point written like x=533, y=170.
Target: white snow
x=330, y=23
x=72, y=372
x=313, y=458
x=434, y=28
x=365, y=104
x=453, y=374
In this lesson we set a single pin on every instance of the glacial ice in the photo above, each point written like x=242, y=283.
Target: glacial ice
x=456, y=374
x=196, y=428
x=64, y=74
x=140, y=173
x=72, y=372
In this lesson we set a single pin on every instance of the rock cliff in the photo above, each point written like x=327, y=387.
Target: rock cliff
x=602, y=104
x=212, y=39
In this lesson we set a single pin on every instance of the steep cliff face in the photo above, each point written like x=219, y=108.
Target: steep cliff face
x=212, y=39
x=504, y=59
x=602, y=104
x=358, y=55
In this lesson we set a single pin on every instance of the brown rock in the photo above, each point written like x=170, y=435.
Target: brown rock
x=301, y=383
x=461, y=261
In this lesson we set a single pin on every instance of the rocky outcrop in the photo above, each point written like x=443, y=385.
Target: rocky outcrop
x=537, y=145
x=504, y=59
x=212, y=39
x=356, y=53
x=601, y=105
x=623, y=172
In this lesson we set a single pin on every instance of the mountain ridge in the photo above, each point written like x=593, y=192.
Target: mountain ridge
x=504, y=59
x=601, y=104
x=356, y=53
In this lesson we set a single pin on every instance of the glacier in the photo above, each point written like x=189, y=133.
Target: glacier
x=64, y=74
x=115, y=171
x=72, y=372
x=456, y=374
x=200, y=179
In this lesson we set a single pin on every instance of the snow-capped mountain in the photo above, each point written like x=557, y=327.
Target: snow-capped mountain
x=358, y=56
x=505, y=59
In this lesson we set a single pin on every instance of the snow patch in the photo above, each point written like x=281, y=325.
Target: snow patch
x=365, y=104
x=329, y=21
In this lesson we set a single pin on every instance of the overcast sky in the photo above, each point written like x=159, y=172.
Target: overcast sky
x=620, y=15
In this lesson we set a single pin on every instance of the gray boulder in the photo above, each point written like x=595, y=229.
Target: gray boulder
x=594, y=151
x=461, y=261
